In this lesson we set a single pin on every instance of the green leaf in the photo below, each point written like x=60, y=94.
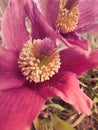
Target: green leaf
x=60, y=124
x=44, y=124
x=79, y=120
x=95, y=100
x=36, y=124
x=57, y=106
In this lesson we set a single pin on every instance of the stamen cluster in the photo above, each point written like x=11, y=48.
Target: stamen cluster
x=67, y=20
x=34, y=68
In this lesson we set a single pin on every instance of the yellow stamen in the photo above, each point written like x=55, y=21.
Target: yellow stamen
x=67, y=20
x=36, y=69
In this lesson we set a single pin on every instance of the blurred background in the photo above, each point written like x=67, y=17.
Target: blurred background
x=58, y=115
x=3, y=4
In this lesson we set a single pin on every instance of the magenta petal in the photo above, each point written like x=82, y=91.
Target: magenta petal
x=66, y=85
x=78, y=61
x=10, y=81
x=74, y=95
x=74, y=60
x=13, y=24
x=89, y=14
x=8, y=59
x=49, y=9
x=40, y=28
x=18, y=108
x=9, y=72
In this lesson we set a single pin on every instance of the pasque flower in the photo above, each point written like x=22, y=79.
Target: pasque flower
x=33, y=68
x=69, y=17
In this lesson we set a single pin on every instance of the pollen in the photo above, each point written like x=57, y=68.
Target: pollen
x=35, y=68
x=67, y=19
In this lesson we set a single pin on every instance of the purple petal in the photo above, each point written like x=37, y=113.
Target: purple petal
x=74, y=39
x=49, y=9
x=66, y=85
x=78, y=60
x=10, y=75
x=13, y=24
x=89, y=14
x=40, y=28
x=18, y=108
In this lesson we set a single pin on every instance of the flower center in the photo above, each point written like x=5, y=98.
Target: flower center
x=67, y=19
x=36, y=64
